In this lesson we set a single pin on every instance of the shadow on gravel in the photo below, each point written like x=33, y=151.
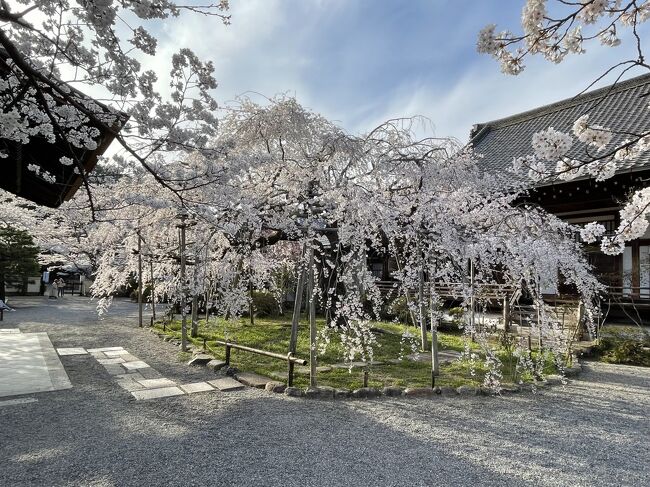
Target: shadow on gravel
x=250, y=441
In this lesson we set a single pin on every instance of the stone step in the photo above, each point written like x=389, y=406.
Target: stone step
x=216, y=364
x=201, y=359
x=252, y=380
x=196, y=387
x=226, y=384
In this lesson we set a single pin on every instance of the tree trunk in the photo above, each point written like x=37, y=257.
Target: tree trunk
x=3, y=291
x=435, y=362
x=195, y=316
x=139, y=281
x=251, y=307
x=423, y=318
x=297, y=303
x=153, y=293
x=312, y=321
x=183, y=291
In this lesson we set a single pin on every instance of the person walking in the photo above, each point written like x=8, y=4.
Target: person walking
x=61, y=286
x=54, y=290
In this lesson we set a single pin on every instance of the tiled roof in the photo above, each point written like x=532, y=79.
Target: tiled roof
x=621, y=107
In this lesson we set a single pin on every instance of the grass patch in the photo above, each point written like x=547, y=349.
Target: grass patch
x=273, y=334
x=623, y=345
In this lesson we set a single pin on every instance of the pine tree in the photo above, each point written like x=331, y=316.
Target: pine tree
x=18, y=258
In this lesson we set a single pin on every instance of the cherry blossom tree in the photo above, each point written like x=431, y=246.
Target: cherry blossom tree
x=55, y=53
x=280, y=173
x=556, y=30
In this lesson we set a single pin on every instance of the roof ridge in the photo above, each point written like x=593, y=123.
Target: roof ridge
x=566, y=103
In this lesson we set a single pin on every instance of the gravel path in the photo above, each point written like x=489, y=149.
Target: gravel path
x=594, y=432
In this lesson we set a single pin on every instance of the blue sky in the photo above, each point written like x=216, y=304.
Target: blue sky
x=360, y=62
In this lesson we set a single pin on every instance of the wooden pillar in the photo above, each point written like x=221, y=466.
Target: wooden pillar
x=636, y=267
x=506, y=314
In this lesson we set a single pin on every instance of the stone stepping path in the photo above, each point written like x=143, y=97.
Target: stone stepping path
x=71, y=351
x=139, y=378
x=253, y=380
x=226, y=384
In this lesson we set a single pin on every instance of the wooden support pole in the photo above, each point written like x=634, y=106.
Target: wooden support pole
x=312, y=320
x=435, y=362
x=290, y=374
x=423, y=317
x=227, y=354
x=139, y=281
x=506, y=314
x=195, y=316
x=297, y=303
x=153, y=292
x=472, y=301
x=183, y=226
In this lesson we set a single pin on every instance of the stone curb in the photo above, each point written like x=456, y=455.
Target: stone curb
x=330, y=393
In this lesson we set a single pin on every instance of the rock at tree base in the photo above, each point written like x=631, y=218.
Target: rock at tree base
x=510, y=388
x=447, y=390
x=324, y=392
x=365, y=392
x=252, y=380
x=419, y=392
x=273, y=386
x=392, y=391
x=342, y=393
x=293, y=392
x=200, y=359
x=467, y=391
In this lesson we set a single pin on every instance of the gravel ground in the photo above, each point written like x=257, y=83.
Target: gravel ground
x=596, y=431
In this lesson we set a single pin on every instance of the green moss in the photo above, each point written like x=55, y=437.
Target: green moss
x=272, y=334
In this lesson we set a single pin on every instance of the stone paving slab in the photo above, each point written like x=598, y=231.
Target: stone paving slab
x=28, y=364
x=127, y=357
x=9, y=330
x=157, y=393
x=156, y=383
x=115, y=353
x=130, y=385
x=16, y=402
x=226, y=384
x=71, y=351
x=148, y=373
x=114, y=369
x=253, y=380
x=106, y=361
x=105, y=349
x=134, y=375
x=196, y=387
x=138, y=364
